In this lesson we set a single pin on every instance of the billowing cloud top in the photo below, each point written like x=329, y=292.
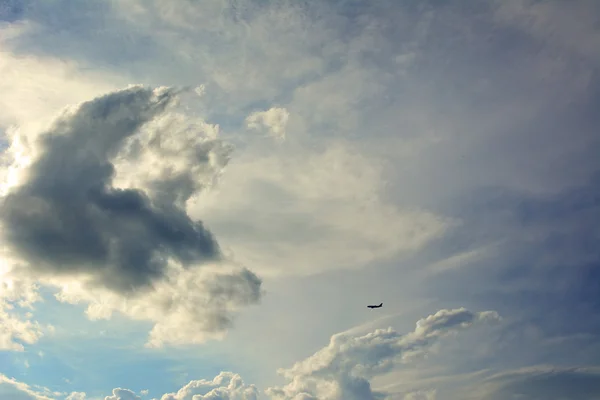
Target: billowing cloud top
x=122, y=394
x=342, y=370
x=96, y=206
x=226, y=386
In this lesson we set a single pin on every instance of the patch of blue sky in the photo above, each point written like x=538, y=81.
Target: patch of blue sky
x=94, y=356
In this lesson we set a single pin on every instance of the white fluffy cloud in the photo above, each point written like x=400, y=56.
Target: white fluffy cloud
x=14, y=330
x=273, y=121
x=225, y=386
x=186, y=307
x=95, y=206
x=342, y=370
x=122, y=394
x=173, y=158
x=17, y=299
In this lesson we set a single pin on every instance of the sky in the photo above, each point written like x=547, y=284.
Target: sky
x=200, y=198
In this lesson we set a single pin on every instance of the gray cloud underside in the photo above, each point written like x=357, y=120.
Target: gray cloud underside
x=100, y=213
x=66, y=218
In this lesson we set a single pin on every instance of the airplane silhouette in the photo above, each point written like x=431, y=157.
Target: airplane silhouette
x=376, y=306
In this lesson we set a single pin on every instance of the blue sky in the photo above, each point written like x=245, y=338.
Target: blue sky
x=201, y=198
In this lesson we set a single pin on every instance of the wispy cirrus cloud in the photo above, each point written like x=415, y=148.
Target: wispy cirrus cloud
x=13, y=389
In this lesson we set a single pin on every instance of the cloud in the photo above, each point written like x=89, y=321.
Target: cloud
x=460, y=260
x=36, y=87
x=122, y=394
x=10, y=10
x=17, y=327
x=273, y=121
x=421, y=395
x=271, y=209
x=188, y=307
x=14, y=330
x=12, y=389
x=542, y=383
x=130, y=248
x=263, y=48
x=342, y=370
x=571, y=29
x=495, y=105
x=174, y=159
x=76, y=396
x=225, y=386
x=65, y=218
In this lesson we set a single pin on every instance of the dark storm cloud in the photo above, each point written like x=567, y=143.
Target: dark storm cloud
x=66, y=218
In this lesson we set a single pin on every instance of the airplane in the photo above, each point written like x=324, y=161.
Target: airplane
x=376, y=306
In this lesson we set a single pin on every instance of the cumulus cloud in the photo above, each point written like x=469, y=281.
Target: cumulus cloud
x=64, y=217
x=225, y=386
x=175, y=158
x=188, y=306
x=17, y=298
x=122, y=394
x=15, y=330
x=273, y=121
x=342, y=370
x=96, y=206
